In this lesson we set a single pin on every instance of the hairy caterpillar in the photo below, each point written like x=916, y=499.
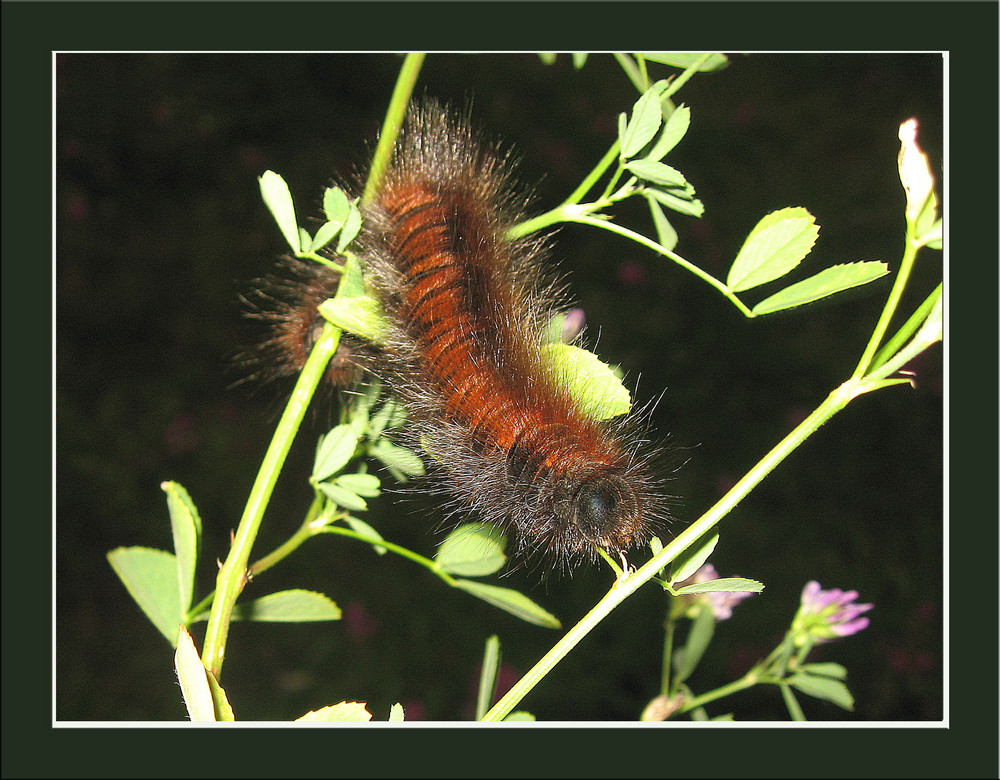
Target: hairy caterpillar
x=468, y=312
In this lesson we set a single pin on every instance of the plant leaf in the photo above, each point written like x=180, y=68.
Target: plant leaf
x=345, y=712
x=362, y=528
x=675, y=129
x=359, y=314
x=488, y=676
x=288, y=606
x=647, y=116
x=336, y=206
x=689, y=561
x=193, y=678
x=825, y=688
x=324, y=235
x=510, y=601
x=343, y=497
x=827, y=282
x=657, y=173
x=396, y=714
x=722, y=585
x=352, y=226
x=472, y=550
x=679, y=59
x=699, y=637
x=591, y=382
x=665, y=232
x=775, y=246
x=185, y=523
x=828, y=669
x=278, y=200
x=397, y=458
x=683, y=201
x=335, y=451
x=150, y=576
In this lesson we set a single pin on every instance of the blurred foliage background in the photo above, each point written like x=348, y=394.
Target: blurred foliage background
x=160, y=228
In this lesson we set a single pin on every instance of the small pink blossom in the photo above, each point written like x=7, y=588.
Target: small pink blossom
x=825, y=615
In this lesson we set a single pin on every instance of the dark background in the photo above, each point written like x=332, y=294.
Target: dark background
x=160, y=227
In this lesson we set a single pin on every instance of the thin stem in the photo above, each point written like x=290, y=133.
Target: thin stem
x=427, y=563
x=586, y=219
x=903, y=334
x=625, y=586
x=305, y=531
x=394, y=116
x=748, y=680
x=905, y=266
x=233, y=572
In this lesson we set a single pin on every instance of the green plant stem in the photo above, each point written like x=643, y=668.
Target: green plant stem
x=889, y=310
x=668, y=651
x=415, y=557
x=233, y=572
x=904, y=333
x=748, y=680
x=625, y=586
x=587, y=219
x=306, y=531
x=394, y=116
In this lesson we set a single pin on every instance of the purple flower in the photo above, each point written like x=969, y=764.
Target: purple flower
x=722, y=603
x=825, y=615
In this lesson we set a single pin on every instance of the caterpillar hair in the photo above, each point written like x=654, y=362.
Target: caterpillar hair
x=469, y=310
x=287, y=300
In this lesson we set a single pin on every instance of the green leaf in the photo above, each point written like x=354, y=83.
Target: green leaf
x=647, y=116
x=193, y=678
x=367, y=485
x=364, y=530
x=324, y=235
x=826, y=688
x=683, y=201
x=722, y=585
x=579, y=59
x=674, y=130
x=775, y=246
x=278, y=199
x=665, y=233
x=827, y=282
x=591, y=382
x=343, y=497
x=472, y=550
x=391, y=414
x=396, y=714
x=699, y=637
x=336, y=206
x=829, y=669
x=657, y=173
x=352, y=281
x=686, y=59
x=352, y=226
x=510, y=601
x=519, y=715
x=223, y=709
x=689, y=561
x=150, y=576
x=488, y=676
x=335, y=451
x=398, y=459
x=345, y=712
x=360, y=315
x=288, y=606
x=185, y=523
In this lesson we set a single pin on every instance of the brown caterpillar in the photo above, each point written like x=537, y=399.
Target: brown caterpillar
x=468, y=312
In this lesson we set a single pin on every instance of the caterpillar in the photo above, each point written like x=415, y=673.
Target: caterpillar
x=468, y=311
